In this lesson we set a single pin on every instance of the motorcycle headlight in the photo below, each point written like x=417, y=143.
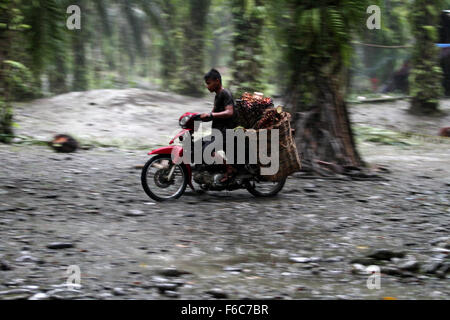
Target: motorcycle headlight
x=184, y=120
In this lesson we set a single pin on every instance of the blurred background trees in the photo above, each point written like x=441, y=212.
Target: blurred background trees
x=426, y=75
x=247, y=60
x=255, y=43
x=190, y=72
x=316, y=54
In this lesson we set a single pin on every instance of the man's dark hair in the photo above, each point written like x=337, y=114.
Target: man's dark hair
x=213, y=74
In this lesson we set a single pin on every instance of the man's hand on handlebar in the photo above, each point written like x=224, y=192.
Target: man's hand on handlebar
x=206, y=117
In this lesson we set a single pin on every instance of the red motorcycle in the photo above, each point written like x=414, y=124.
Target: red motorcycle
x=165, y=177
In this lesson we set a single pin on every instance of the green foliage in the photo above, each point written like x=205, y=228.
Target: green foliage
x=259, y=45
x=318, y=39
x=19, y=80
x=37, y=38
x=190, y=73
x=165, y=18
x=6, y=122
x=135, y=24
x=46, y=37
x=426, y=76
x=381, y=136
x=218, y=35
x=80, y=65
x=395, y=30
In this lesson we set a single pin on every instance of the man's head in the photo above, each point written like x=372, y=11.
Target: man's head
x=213, y=80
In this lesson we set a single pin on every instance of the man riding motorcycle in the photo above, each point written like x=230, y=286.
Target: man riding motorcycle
x=222, y=116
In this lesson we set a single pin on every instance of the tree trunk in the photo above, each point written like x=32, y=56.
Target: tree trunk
x=80, y=78
x=247, y=46
x=444, y=37
x=55, y=43
x=317, y=56
x=6, y=116
x=192, y=71
x=169, y=56
x=57, y=76
x=162, y=15
x=324, y=135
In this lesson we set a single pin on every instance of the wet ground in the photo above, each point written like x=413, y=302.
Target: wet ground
x=315, y=240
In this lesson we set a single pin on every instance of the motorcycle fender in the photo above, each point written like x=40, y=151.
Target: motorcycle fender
x=167, y=150
x=182, y=132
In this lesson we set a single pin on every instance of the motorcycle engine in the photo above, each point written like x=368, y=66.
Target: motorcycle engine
x=208, y=179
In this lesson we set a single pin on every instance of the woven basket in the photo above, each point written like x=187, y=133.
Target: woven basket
x=289, y=161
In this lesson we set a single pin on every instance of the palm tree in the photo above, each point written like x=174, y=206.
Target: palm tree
x=318, y=35
x=162, y=15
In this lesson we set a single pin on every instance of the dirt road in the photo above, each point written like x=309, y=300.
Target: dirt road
x=313, y=241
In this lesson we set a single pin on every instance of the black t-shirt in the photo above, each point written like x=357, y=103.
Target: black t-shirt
x=223, y=98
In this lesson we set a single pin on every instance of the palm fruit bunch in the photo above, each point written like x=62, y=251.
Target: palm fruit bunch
x=251, y=108
x=270, y=117
x=64, y=143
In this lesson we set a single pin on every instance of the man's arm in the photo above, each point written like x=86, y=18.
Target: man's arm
x=227, y=113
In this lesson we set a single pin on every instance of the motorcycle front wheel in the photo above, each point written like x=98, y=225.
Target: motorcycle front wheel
x=265, y=188
x=163, y=180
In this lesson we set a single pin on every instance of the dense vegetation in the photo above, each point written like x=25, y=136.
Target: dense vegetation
x=171, y=43
x=314, y=53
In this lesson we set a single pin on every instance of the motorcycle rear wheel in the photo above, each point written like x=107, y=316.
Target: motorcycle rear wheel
x=263, y=189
